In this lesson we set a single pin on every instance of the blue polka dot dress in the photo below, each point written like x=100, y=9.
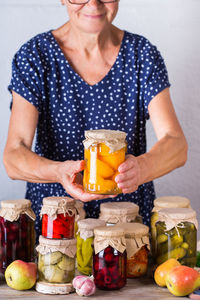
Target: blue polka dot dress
x=68, y=106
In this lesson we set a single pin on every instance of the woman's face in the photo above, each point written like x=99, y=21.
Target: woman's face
x=93, y=16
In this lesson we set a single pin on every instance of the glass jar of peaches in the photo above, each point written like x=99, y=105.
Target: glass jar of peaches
x=85, y=239
x=104, y=151
x=58, y=217
x=17, y=232
x=119, y=212
x=109, y=258
x=56, y=260
x=162, y=203
x=137, y=248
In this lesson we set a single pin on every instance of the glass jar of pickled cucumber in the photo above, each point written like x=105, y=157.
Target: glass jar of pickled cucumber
x=17, y=232
x=80, y=213
x=160, y=203
x=137, y=248
x=85, y=238
x=56, y=260
x=176, y=235
x=104, y=152
x=119, y=212
x=58, y=217
x=109, y=258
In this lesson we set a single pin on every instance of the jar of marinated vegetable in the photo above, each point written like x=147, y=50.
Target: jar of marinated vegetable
x=137, y=248
x=160, y=203
x=119, y=212
x=85, y=238
x=58, y=217
x=56, y=260
x=109, y=258
x=176, y=235
x=80, y=213
x=104, y=152
x=17, y=233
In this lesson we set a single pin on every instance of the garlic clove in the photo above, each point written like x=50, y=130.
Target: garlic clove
x=87, y=288
x=78, y=281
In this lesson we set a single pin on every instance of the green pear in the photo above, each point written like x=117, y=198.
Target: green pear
x=21, y=275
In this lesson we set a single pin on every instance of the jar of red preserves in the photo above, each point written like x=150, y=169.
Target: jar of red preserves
x=17, y=233
x=58, y=217
x=137, y=247
x=109, y=258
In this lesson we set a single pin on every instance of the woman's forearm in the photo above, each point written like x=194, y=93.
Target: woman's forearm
x=168, y=153
x=23, y=164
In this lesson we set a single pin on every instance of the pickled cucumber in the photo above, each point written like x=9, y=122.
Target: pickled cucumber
x=162, y=238
x=172, y=243
x=177, y=253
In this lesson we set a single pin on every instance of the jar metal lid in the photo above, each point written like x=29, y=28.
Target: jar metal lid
x=90, y=223
x=171, y=201
x=134, y=229
x=109, y=231
x=19, y=203
x=58, y=201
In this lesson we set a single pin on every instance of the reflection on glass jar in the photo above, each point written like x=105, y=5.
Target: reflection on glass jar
x=109, y=269
x=102, y=160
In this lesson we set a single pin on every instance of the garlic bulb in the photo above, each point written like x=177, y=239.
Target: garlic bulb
x=84, y=285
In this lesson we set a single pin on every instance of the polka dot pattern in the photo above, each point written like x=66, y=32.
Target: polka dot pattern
x=68, y=106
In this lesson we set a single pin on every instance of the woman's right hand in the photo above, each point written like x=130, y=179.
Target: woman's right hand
x=71, y=179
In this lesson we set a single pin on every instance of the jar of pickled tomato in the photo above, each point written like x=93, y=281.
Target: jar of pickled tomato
x=58, y=217
x=161, y=203
x=80, y=213
x=85, y=238
x=137, y=248
x=119, y=212
x=56, y=260
x=17, y=232
x=109, y=258
x=104, y=152
x=176, y=236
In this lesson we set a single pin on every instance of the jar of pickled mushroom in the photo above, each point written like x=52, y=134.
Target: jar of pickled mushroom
x=160, y=203
x=137, y=248
x=109, y=258
x=176, y=235
x=85, y=238
x=56, y=260
x=119, y=212
x=58, y=217
x=17, y=232
x=104, y=152
x=80, y=213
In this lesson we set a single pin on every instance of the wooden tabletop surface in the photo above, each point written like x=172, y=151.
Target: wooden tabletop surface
x=136, y=289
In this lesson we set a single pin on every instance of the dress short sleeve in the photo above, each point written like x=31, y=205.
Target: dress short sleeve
x=26, y=75
x=154, y=75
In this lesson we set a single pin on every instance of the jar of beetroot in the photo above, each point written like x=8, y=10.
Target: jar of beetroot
x=58, y=217
x=17, y=233
x=137, y=247
x=109, y=258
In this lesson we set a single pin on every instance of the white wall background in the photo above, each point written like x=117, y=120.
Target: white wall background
x=172, y=25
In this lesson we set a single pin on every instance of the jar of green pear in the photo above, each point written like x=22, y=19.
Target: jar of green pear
x=56, y=260
x=176, y=236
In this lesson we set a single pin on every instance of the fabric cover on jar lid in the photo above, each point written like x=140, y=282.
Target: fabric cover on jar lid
x=170, y=201
x=109, y=236
x=80, y=212
x=173, y=216
x=65, y=246
x=86, y=227
x=12, y=209
x=58, y=205
x=114, y=139
x=137, y=236
x=118, y=212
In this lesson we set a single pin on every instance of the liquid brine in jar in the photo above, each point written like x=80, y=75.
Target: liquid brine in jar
x=17, y=232
x=104, y=151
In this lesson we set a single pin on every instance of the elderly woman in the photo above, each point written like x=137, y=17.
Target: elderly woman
x=89, y=74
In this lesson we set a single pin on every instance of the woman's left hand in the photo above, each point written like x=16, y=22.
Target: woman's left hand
x=129, y=177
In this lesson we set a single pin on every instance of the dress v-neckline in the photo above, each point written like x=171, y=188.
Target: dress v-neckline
x=76, y=74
